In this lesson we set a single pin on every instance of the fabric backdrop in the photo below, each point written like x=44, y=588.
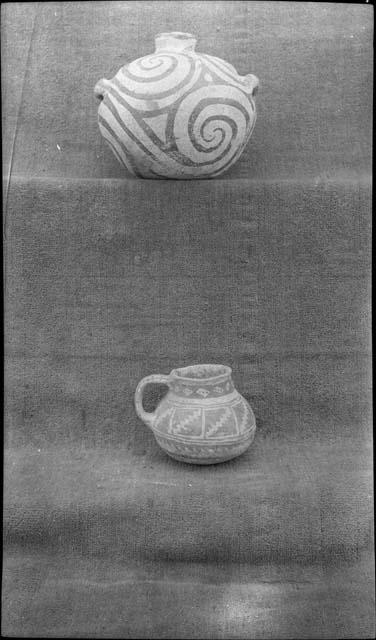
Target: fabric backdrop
x=110, y=278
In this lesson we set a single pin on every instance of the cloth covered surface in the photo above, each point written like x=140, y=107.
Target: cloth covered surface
x=110, y=278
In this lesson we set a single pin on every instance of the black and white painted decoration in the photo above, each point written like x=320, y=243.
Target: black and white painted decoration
x=177, y=113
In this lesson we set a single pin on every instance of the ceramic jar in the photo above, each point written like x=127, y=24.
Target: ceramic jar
x=202, y=419
x=177, y=113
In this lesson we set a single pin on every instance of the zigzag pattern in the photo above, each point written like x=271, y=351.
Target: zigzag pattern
x=220, y=423
x=245, y=417
x=162, y=416
x=181, y=426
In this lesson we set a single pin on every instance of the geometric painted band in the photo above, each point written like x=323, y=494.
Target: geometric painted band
x=198, y=422
x=204, y=452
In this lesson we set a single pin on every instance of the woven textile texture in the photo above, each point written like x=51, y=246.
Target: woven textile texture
x=111, y=278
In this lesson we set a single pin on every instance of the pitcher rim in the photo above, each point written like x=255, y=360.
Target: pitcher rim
x=226, y=370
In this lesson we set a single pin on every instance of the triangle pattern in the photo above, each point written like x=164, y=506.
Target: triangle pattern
x=158, y=124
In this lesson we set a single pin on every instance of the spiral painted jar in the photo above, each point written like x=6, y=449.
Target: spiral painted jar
x=177, y=113
x=202, y=419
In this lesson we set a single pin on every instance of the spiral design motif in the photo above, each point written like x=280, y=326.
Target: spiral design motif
x=177, y=115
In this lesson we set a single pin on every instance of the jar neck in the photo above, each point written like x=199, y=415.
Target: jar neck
x=175, y=41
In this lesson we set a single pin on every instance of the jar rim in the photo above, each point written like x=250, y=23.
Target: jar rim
x=179, y=35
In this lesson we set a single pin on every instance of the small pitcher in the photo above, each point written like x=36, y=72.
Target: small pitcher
x=202, y=419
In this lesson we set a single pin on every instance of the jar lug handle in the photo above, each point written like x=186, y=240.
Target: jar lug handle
x=101, y=88
x=252, y=83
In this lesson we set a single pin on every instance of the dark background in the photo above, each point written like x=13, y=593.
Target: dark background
x=111, y=278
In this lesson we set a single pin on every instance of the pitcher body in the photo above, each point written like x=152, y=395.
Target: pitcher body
x=202, y=419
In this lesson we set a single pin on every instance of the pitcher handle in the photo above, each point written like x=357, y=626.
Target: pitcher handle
x=147, y=416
